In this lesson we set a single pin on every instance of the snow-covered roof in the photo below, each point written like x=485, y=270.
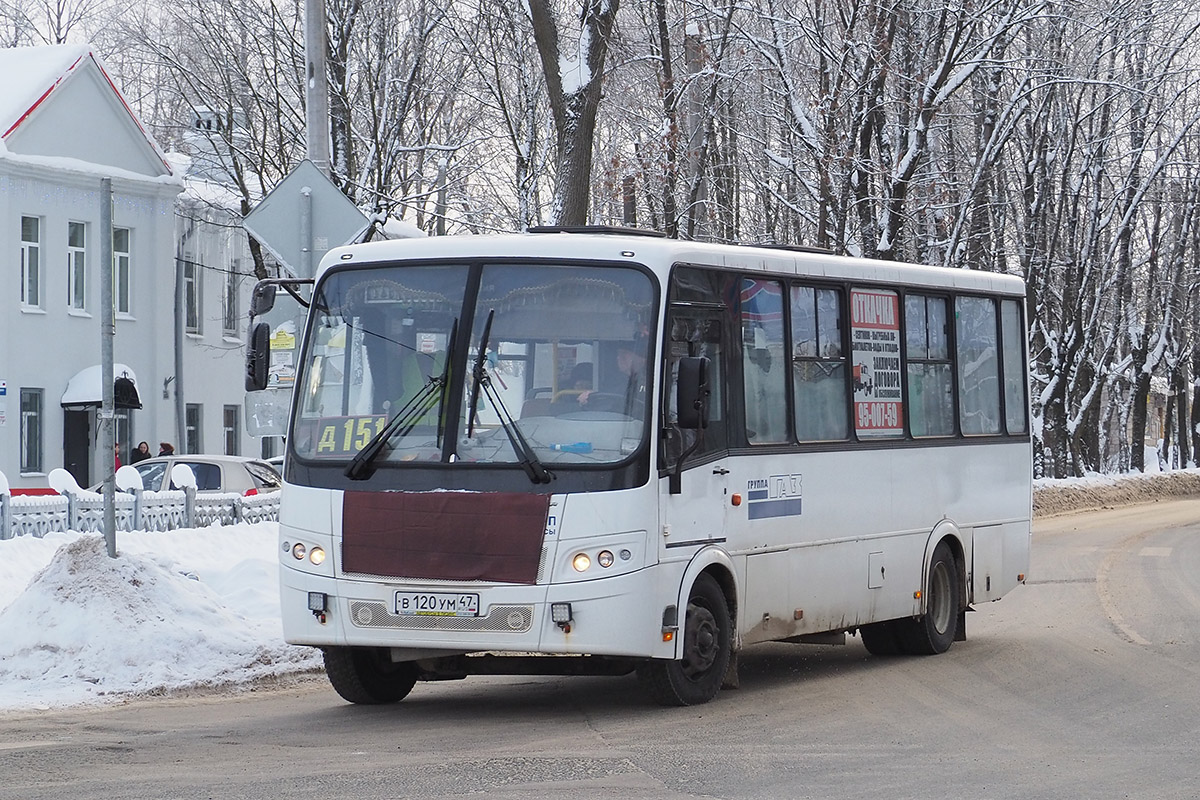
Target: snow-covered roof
x=30, y=74
x=35, y=77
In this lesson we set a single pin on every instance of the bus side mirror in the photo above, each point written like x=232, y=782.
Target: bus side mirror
x=692, y=392
x=258, y=356
x=263, y=299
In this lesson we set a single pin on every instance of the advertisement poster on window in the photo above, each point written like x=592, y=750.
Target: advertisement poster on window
x=875, y=363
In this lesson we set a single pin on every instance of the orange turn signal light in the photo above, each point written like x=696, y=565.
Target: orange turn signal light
x=736, y=499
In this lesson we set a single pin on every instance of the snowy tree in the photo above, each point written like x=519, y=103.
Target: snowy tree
x=574, y=73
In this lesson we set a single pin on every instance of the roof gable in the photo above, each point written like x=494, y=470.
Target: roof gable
x=60, y=103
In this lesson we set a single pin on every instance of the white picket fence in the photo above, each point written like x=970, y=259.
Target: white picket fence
x=38, y=515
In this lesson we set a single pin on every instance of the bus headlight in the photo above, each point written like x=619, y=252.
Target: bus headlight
x=581, y=562
x=317, y=556
x=604, y=558
x=298, y=551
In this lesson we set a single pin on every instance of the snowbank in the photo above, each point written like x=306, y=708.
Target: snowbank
x=176, y=611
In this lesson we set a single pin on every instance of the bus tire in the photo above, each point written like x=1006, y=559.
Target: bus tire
x=707, y=633
x=884, y=638
x=367, y=675
x=934, y=632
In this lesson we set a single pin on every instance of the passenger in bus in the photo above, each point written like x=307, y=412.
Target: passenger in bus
x=576, y=385
x=581, y=376
x=399, y=369
x=631, y=399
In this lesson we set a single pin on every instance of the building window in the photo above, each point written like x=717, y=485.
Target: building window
x=31, y=430
x=232, y=303
x=191, y=424
x=123, y=433
x=269, y=447
x=191, y=295
x=233, y=432
x=122, y=268
x=31, y=262
x=77, y=266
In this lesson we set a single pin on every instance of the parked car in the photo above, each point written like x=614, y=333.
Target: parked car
x=239, y=474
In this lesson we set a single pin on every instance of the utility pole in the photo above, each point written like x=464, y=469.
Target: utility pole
x=108, y=445
x=316, y=86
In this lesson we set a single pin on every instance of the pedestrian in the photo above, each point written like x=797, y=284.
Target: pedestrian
x=141, y=453
x=117, y=457
x=166, y=449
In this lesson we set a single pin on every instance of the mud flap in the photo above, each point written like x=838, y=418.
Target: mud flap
x=731, y=680
x=960, y=633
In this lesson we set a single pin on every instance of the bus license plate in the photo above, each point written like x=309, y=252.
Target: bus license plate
x=437, y=604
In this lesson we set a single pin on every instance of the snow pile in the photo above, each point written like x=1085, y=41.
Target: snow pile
x=175, y=611
x=1066, y=495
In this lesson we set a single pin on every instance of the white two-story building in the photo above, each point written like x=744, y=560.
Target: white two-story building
x=180, y=280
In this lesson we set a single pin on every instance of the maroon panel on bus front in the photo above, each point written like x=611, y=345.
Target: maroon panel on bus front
x=461, y=536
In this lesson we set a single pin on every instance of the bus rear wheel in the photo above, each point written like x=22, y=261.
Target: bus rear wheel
x=935, y=632
x=707, y=633
x=367, y=675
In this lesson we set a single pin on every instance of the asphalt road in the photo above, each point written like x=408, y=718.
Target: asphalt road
x=1082, y=684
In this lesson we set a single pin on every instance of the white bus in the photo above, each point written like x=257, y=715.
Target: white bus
x=595, y=452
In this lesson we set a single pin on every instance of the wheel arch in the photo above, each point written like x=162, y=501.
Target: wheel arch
x=719, y=565
x=946, y=531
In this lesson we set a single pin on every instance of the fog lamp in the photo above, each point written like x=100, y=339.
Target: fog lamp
x=560, y=613
x=581, y=562
x=317, y=556
x=298, y=551
x=604, y=558
x=317, y=601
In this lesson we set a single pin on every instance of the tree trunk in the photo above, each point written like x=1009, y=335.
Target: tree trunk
x=574, y=102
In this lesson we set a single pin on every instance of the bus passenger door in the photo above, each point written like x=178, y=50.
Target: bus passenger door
x=696, y=515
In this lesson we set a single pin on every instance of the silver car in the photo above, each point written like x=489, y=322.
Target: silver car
x=246, y=476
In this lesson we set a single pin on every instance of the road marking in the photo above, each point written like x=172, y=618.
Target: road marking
x=1155, y=552
x=1105, y=595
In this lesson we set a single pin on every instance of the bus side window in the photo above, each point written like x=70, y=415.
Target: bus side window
x=818, y=365
x=695, y=336
x=763, y=373
x=978, y=365
x=1012, y=334
x=930, y=374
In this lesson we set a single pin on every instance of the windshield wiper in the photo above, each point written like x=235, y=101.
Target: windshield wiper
x=480, y=380
x=479, y=373
x=534, y=468
x=401, y=423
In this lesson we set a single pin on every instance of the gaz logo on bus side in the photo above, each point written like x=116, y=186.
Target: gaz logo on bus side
x=774, y=496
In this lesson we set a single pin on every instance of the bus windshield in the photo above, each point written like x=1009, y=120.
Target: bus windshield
x=548, y=364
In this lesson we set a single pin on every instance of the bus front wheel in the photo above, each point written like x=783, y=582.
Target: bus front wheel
x=367, y=675
x=707, y=633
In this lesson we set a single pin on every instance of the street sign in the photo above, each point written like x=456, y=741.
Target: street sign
x=303, y=218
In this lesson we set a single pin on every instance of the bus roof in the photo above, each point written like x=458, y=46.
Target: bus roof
x=660, y=254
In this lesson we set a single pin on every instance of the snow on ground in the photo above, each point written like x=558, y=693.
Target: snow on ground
x=199, y=608
x=175, y=611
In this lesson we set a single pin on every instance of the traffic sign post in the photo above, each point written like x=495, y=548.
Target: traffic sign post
x=304, y=217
